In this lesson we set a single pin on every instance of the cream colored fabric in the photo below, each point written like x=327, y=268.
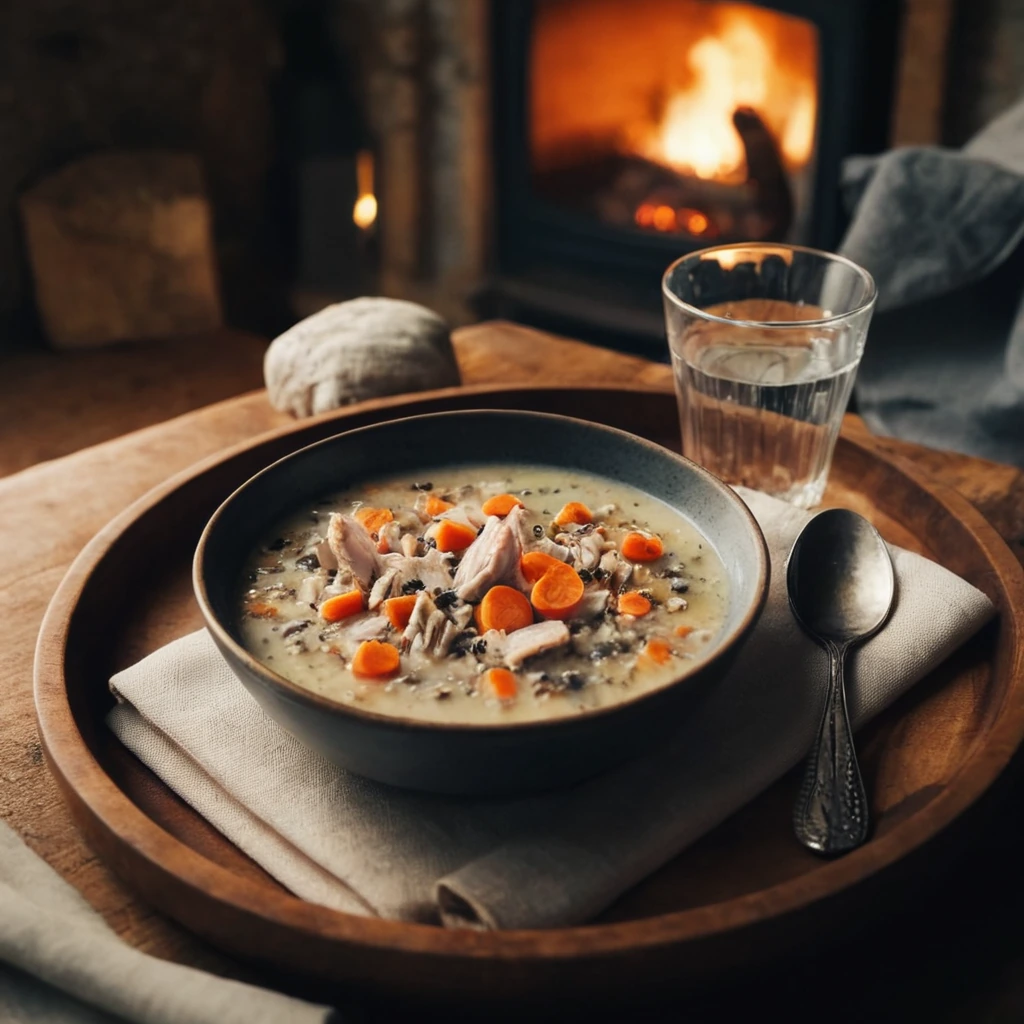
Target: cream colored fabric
x=542, y=861
x=60, y=963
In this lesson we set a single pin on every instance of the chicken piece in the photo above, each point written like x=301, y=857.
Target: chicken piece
x=429, y=631
x=461, y=514
x=325, y=556
x=382, y=588
x=528, y=542
x=311, y=588
x=541, y=636
x=408, y=521
x=367, y=628
x=421, y=612
x=429, y=640
x=390, y=537
x=492, y=558
x=474, y=515
x=549, y=547
x=618, y=569
x=432, y=569
x=449, y=633
x=409, y=545
x=492, y=651
x=461, y=615
x=351, y=634
x=352, y=546
x=586, y=549
x=342, y=582
x=594, y=602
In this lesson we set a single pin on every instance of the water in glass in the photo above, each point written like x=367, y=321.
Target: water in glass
x=763, y=408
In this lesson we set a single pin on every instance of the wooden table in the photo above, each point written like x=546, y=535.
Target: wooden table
x=49, y=512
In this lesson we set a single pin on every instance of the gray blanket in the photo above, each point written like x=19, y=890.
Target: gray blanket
x=940, y=230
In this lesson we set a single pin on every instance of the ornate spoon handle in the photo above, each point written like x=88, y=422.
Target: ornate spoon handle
x=831, y=813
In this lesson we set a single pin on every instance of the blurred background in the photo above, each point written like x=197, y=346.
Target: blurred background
x=180, y=181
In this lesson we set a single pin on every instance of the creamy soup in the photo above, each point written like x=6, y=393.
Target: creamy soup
x=483, y=594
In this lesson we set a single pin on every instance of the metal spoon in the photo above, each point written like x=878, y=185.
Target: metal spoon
x=841, y=588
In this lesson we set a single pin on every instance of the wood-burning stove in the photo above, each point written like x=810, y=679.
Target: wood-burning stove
x=627, y=132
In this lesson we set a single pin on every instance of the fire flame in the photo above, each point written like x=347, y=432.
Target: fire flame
x=662, y=80
x=736, y=67
x=364, y=212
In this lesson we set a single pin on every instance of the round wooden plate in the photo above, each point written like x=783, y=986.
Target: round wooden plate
x=745, y=892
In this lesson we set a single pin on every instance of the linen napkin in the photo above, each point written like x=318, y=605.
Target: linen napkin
x=59, y=962
x=541, y=861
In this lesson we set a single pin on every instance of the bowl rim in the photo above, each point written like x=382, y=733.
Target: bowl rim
x=293, y=691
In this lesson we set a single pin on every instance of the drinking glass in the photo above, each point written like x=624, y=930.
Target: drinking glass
x=765, y=342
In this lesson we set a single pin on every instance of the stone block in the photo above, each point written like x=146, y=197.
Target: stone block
x=120, y=247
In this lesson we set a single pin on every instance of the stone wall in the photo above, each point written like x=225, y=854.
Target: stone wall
x=986, y=65
x=424, y=70
x=80, y=76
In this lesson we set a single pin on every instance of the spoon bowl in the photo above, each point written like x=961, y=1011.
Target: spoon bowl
x=841, y=588
x=840, y=578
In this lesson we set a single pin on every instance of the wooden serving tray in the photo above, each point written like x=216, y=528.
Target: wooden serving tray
x=743, y=894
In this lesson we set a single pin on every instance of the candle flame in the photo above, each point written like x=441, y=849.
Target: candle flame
x=364, y=212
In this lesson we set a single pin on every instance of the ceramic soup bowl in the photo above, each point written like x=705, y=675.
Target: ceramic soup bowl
x=499, y=758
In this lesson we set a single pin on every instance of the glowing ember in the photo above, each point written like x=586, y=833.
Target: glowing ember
x=694, y=221
x=664, y=218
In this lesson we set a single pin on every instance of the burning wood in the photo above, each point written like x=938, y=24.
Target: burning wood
x=699, y=120
x=627, y=190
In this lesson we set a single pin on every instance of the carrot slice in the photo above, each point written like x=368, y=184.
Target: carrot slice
x=574, y=512
x=535, y=563
x=633, y=603
x=374, y=518
x=375, y=659
x=453, y=536
x=435, y=505
x=502, y=683
x=639, y=547
x=683, y=630
x=399, y=609
x=657, y=651
x=341, y=606
x=504, y=608
x=262, y=610
x=500, y=505
x=557, y=594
